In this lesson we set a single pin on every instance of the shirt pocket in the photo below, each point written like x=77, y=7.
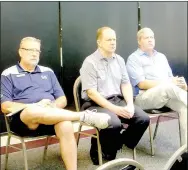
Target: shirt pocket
x=101, y=78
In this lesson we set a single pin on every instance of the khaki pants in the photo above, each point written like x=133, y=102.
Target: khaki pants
x=168, y=95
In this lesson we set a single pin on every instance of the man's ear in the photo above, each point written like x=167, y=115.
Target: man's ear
x=98, y=43
x=138, y=42
x=19, y=52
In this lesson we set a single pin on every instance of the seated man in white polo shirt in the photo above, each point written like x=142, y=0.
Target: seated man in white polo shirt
x=155, y=85
x=33, y=93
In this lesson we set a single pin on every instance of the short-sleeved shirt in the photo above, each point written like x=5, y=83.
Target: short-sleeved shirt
x=140, y=67
x=103, y=74
x=22, y=86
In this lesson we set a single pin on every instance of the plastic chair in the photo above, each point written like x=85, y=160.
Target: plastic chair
x=10, y=134
x=177, y=156
x=120, y=164
x=159, y=113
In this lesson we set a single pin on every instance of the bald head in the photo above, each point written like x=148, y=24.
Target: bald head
x=106, y=41
x=101, y=30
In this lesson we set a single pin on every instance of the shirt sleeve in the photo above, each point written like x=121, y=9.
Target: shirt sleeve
x=88, y=76
x=135, y=70
x=6, y=88
x=170, y=74
x=57, y=90
x=125, y=76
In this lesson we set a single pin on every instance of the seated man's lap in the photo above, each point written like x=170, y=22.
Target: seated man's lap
x=17, y=126
x=116, y=120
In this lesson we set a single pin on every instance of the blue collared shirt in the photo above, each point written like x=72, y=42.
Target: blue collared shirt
x=140, y=67
x=22, y=86
x=103, y=74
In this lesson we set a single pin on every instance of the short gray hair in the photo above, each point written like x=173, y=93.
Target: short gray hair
x=29, y=39
x=141, y=32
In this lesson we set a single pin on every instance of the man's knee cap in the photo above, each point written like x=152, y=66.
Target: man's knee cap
x=65, y=126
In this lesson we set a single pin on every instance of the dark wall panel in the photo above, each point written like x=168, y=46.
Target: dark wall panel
x=80, y=20
x=20, y=19
x=38, y=19
x=168, y=20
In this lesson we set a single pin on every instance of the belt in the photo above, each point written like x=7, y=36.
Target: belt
x=114, y=96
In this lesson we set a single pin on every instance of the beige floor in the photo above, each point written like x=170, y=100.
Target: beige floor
x=167, y=142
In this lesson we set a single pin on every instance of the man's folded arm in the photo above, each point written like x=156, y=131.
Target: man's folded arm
x=148, y=84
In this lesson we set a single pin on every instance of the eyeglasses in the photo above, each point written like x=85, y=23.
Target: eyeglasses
x=31, y=50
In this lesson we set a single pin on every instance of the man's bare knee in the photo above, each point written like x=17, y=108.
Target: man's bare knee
x=64, y=128
x=28, y=117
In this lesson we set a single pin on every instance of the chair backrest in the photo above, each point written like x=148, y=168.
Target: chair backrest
x=177, y=156
x=120, y=164
x=77, y=93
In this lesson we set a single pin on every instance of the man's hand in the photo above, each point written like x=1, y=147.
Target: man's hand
x=182, y=83
x=175, y=80
x=46, y=103
x=122, y=112
x=130, y=109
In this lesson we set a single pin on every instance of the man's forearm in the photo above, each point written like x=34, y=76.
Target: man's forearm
x=127, y=93
x=8, y=106
x=61, y=102
x=98, y=99
x=147, y=84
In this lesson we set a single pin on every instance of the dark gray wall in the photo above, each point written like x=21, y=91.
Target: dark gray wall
x=80, y=20
x=38, y=19
x=168, y=20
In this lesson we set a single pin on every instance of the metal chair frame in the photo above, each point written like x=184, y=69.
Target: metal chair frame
x=120, y=162
x=77, y=84
x=10, y=134
x=176, y=156
x=159, y=114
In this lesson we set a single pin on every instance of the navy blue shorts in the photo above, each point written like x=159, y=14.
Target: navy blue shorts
x=18, y=127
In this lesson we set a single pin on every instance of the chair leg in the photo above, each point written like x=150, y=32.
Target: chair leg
x=179, y=123
x=151, y=139
x=134, y=153
x=45, y=148
x=24, y=154
x=156, y=127
x=78, y=136
x=99, y=148
x=6, y=157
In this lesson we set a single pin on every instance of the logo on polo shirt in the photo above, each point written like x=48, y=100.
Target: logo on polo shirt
x=20, y=75
x=44, y=77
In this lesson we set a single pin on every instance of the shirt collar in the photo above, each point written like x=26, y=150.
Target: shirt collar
x=21, y=70
x=100, y=57
x=142, y=53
